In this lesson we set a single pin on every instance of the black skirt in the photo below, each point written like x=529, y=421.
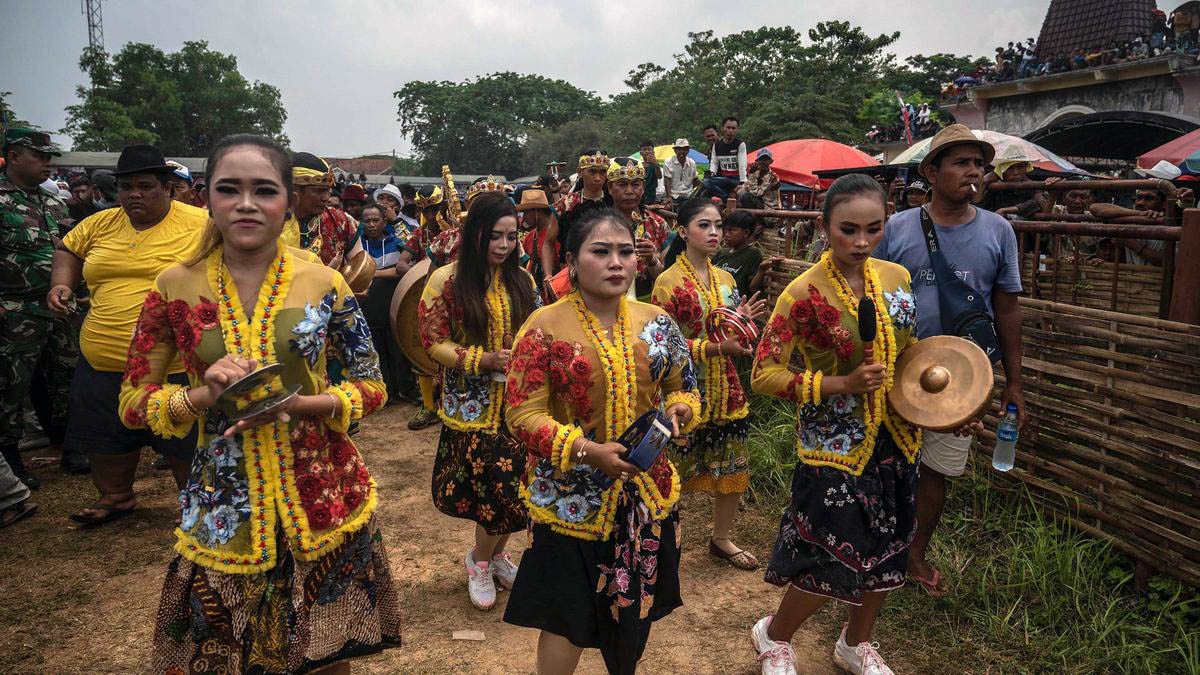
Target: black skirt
x=477, y=476
x=601, y=594
x=843, y=535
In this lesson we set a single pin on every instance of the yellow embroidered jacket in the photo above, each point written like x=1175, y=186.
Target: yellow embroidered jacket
x=678, y=291
x=567, y=379
x=817, y=316
x=304, y=476
x=469, y=399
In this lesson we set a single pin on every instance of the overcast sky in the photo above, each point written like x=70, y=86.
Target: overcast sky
x=337, y=63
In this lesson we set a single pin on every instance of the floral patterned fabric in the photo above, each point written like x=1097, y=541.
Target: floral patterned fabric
x=304, y=476
x=477, y=476
x=817, y=318
x=843, y=534
x=468, y=397
x=296, y=617
x=567, y=378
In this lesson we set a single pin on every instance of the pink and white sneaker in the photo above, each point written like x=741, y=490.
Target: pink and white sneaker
x=861, y=659
x=480, y=585
x=504, y=569
x=777, y=658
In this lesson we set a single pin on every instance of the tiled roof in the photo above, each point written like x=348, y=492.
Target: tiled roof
x=1092, y=23
x=360, y=165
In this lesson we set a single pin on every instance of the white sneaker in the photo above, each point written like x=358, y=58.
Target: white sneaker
x=863, y=659
x=480, y=585
x=504, y=569
x=777, y=658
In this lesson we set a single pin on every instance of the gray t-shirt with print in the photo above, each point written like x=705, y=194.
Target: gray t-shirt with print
x=983, y=253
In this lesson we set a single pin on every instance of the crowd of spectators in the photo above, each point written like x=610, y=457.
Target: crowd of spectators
x=1019, y=60
x=921, y=124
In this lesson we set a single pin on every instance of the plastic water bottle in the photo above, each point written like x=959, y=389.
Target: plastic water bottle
x=1005, y=452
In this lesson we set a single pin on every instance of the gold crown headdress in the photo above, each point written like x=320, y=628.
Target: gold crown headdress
x=433, y=199
x=634, y=171
x=596, y=161
x=489, y=184
x=302, y=176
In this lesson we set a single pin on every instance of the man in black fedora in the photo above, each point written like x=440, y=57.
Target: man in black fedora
x=124, y=249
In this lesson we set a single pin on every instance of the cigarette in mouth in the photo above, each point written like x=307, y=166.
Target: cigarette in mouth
x=973, y=190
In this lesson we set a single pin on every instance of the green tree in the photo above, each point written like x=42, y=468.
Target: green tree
x=927, y=74
x=406, y=166
x=778, y=83
x=564, y=143
x=8, y=118
x=183, y=101
x=480, y=126
x=883, y=109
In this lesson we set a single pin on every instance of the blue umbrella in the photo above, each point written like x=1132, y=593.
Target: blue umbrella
x=965, y=80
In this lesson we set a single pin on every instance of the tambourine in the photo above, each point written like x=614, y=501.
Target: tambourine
x=251, y=381
x=724, y=323
x=645, y=439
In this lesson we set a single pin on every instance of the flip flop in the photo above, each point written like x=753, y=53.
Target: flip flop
x=16, y=512
x=931, y=586
x=111, y=513
x=739, y=559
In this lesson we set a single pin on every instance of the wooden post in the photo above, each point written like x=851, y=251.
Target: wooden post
x=1185, y=291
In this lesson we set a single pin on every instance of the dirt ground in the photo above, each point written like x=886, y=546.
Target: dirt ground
x=82, y=601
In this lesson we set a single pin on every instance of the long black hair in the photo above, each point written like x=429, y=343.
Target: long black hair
x=471, y=278
x=686, y=213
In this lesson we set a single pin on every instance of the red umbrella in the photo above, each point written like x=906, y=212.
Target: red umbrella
x=1174, y=152
x=797, y=161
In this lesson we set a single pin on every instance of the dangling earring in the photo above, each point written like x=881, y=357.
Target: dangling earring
x=573, y=275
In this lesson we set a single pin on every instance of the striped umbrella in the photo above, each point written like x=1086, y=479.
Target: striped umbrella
x=1008, y=149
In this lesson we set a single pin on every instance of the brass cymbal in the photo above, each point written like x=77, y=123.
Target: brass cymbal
x=405, y=301
x=359, y=271
x=941, y=383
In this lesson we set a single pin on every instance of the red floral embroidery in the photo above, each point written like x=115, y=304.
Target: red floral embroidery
x=310, y=489
x=776, y=334
x=341, y=452
x=737, y=396
x=539, y=360
x=684, y=306
x=660, y=472
x=319, y=516
x=178, y=312
x=135, y=369
x=820, y=324
x=539, y=444
x=206, y=314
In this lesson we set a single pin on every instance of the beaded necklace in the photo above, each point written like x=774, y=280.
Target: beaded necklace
x=231, y=312
x=716, y=389
x=616, y=358
x=314, y=246
x=885, y=338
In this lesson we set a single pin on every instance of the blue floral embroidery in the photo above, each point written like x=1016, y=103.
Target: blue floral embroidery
x=465, y=397
x=221, y=523
x=313, y=329
x=350, y=338
x=901, y=307
x=831, y=426
x=667, y=347
x=216, y=500
x=574, y=494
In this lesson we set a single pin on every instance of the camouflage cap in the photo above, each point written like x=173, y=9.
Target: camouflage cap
x=30, y=138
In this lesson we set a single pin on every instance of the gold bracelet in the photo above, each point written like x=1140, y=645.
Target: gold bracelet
x=192, y=408
x=179, y=410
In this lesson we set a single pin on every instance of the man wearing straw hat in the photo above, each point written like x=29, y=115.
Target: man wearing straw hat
x=981, y=247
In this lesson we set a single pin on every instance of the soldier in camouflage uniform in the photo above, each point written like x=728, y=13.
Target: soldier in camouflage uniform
x=32, y=337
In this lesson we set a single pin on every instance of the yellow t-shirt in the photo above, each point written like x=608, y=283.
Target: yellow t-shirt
x=119, y=266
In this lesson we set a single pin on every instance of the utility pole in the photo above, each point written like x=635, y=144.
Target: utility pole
x=95, y=22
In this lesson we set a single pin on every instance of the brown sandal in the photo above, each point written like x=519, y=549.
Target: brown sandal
x=16, y=512
x=739, y=559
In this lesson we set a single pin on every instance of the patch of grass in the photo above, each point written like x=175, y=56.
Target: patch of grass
x=1030, y=593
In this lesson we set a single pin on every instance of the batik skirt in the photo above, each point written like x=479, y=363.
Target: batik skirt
x=601, y=594
x=296, y=617
x=715, y=458
x=843, y=535
x=477, y=476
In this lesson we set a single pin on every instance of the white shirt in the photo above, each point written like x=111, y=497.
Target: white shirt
x=681, y=175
